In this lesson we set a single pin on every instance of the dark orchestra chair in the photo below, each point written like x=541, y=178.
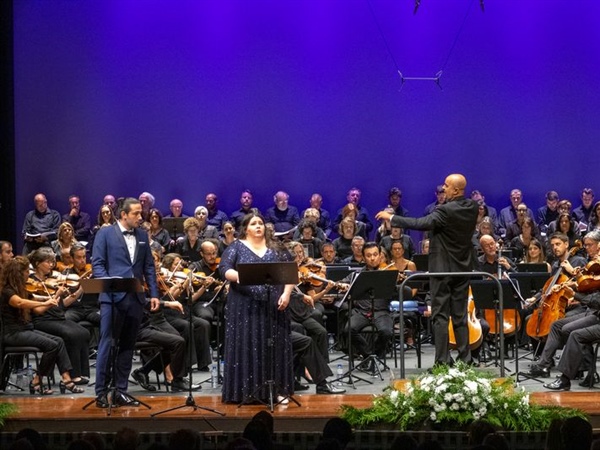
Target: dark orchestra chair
x=155, y=352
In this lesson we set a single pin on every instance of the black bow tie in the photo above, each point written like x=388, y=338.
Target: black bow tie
x=128, y=233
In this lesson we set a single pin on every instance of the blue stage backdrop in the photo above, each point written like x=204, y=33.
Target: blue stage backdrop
x=182, y=98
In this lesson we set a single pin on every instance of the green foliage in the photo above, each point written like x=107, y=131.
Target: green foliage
x=451, y=398
x=6, y=409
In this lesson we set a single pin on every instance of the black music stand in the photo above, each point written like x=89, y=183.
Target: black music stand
x=174, y=225
x=112, y=285
x=529, y=284
x=270, y=273
x=367, y=285
x=485, y=296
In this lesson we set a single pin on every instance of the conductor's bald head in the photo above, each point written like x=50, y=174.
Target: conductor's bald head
x=455, y=185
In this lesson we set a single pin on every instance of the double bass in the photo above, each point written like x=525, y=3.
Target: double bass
x=473, y=324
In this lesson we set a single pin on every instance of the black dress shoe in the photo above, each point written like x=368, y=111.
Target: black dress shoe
x=102, y=401
x=539, y=371
x=183, y=384
x=559, y=385
x=588, y=378
x=328, y=388
x=125, y=400
x=300, y=387
x=141, y=378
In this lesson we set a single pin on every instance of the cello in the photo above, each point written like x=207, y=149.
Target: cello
x=552, y=305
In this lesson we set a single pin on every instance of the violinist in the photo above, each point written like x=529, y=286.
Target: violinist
x=576, y=333
x=210, y=284
x=6, y=253
x=181, y=291
x=328, y=255
x=16, y=307
x=85, y=307
x=53, y=320
x=302, y=304
x=155, y=329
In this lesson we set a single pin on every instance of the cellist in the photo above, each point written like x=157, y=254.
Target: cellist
x=576, y=333
x=563, y=265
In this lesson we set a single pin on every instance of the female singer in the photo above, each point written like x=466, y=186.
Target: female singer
x=53, y=320
x=248, y=313
x=65, y=239
x=16, y=307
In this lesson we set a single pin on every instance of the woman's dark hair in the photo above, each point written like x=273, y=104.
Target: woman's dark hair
x=157, y=212
x=246, y=221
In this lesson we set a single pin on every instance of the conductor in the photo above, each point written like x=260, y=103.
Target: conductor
x=122, y=251
x=451, y=227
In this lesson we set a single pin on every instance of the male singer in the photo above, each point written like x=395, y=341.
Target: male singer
x=452, y=225
x=121, y=251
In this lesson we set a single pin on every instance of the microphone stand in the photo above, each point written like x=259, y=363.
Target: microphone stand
x=190, y=401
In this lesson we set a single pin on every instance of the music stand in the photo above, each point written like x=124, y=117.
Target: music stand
x=367, y=285
x=485, y=296
x=112, y=285
x=270, y=273
x=174, y=225
x=421, y=260
x=533, y=267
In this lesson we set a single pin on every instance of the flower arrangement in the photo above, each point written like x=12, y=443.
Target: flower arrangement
x=6, y=409
x=451, y=398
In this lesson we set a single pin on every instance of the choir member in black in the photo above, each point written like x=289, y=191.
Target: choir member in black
x=64, y=241
x=357, y=258
x=440, y=199
x=16, y=308
x=246, y=201
x=283, y=216
x=227, y=236
x=205, y=230
x=521, y=242
x=514, y=228
x=79, y=220
x=172, y=267
x=491, y=211
x=385, y=229
x=216, y=217
x=158, y=233
x=188, y=247
x=365, y=313
x=582, y=213
x=397, y=234
x=176, y=209
x=343, y=243
x=40, y=225
x=308, y=230
x=106, y=217
x=509, y=214
x=324, y=220
x=594, y=217
x=312, y=215
x=362, y=215
x=147, y=201
x=549, y=212
x=53, y=320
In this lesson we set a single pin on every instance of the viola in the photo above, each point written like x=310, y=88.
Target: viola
x=473, y=324
x=588, y=279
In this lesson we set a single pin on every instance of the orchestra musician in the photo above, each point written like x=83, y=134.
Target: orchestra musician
x=211, y=283
x=357, y=257
x=189, y=246
x=6, y=253
x=328, y=255
x=16, y=307
x=576, y=333
x=85, y=307
x=366, y=312
x=52, y=320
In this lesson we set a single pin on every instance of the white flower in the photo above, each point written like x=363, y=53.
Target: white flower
x=471, y=386
x=448, y=397
x=454, y=407
x=411, y=412
x=394, y=397
x=476, y=415
x=433, y=416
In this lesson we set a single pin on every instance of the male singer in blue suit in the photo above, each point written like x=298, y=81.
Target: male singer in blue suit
x=452, y=225
x=122, y=251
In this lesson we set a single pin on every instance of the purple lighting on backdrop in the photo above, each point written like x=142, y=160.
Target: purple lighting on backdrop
x=184, y=98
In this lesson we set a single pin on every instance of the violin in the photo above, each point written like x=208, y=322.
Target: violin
x=306, y=276
x=40, y=288
x=475, y=333
x=588, y=279
x=213, y=267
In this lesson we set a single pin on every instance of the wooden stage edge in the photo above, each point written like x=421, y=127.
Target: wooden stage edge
x=64, y=412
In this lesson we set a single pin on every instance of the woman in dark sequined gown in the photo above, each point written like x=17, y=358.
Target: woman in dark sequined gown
x=247, y=312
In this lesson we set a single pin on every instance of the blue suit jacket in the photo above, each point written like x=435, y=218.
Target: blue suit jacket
x=110, y=258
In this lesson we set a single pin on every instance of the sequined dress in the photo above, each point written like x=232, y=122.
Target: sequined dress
x=247, y=365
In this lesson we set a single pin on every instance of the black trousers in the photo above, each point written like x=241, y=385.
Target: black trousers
x=77, y=343
x=201, y=333
x=307, y=354
x=384, y=323
x=53, y=348
x=168, y=338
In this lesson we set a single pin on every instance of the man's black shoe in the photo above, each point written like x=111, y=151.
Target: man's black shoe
x=586, y=381
x=539, y=371
x=125, y=400
x=299, y=386
x=559, y=385
x=183, y=384
x=102, y=401
x=141, y=378
x=328, y=388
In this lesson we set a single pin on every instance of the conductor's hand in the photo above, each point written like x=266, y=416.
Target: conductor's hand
x=383, y=215
x=283, y=302
x=154, y=304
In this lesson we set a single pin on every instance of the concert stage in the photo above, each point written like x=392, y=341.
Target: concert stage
x=61, y=418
